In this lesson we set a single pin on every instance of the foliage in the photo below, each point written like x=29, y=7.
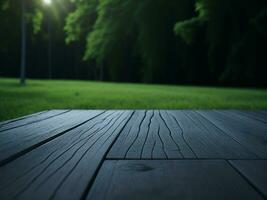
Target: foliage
x=4, y=5
x=37, y=20
x=125, y=31
x=188, y=29
x=80, y=20
x=236, y=38
x=154, y=41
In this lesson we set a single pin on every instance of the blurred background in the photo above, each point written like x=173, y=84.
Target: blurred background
x=173, y=42
x=206, y=42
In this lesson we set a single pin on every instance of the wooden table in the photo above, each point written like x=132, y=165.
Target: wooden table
x=135, y=154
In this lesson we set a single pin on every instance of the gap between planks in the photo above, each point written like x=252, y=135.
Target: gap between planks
x=31, y=122
x=25, y=151
x=92, y=180
x=249, y=182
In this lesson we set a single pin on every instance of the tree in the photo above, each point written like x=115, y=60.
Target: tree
x=26, y=12
x=135, y=40
x=236, y=40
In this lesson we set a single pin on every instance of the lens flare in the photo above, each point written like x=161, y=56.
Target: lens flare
x=48, y=2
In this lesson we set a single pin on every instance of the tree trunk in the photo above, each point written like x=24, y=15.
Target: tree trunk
x=49, y=47
x=23, y=44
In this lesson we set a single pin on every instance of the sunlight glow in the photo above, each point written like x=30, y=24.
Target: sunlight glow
x=47, y=2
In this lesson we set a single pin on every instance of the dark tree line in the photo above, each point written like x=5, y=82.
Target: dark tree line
x=174, y=41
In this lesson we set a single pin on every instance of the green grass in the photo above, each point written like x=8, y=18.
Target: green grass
x=37, y=95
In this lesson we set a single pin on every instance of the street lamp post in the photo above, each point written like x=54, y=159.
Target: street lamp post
x=23, y=44
x=48, y=3
x=49, y=48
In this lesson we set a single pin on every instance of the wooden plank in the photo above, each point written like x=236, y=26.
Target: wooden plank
x=263, y=112
x=128, y=135
x=175, y=135
x=21, y=118
x=18, y=141
x=63, y=167
x=256, y=115
x=32, y=119
x=170, y=179
x=254, y=171
x=206, y=140
x=250, y=134
x=244, y=118
x=151, y=135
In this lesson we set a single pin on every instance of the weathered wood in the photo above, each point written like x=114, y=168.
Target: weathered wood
x=240, y=116
x=255, y=171
x=63, y=167
x=207, y=140
x=18, y=141
x=251, y=134
x=264, y=112
x=151, y=135
x=256, y=115
x=170, y=179
x=176, y=134
x=21, y=118
x=31, y=120
x=59, y=155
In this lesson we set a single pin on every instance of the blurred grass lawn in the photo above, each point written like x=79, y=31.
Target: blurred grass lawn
x=38, y=95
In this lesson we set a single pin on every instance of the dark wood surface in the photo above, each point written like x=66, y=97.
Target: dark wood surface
x=30, y=119
x=190, y=134
x=248, y=132
x=17, y=141
x=255, y=171
x=141, y=154
x=171, y=179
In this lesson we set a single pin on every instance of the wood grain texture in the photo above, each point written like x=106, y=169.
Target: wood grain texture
x=256, y=115
x=18, y=141
x=170, y=179
x=31, y=120
x=251, y=134
x=177, y=135
x=63, y=167
x=255, y=171
x=97, y=154
x=151, y=135
x=21, y=118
